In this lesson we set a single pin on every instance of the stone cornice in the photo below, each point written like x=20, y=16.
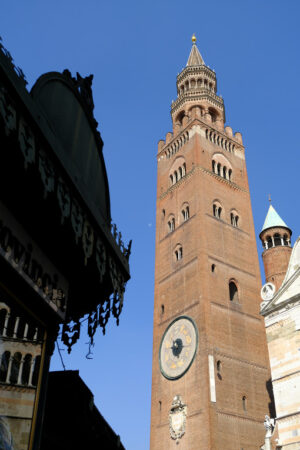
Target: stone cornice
x=204, y=125
x=239, y=417
x=242, y=361
x=194, y=70
x=208, y=172
x=191, y=96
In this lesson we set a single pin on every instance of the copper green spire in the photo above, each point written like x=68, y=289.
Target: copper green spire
x=273, y=220
x=195, y=58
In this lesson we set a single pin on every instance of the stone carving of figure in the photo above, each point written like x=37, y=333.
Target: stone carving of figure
x=269, y=425
x=85, y=87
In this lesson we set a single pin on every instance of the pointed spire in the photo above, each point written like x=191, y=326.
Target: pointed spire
x=273, y=220
x=195, y=58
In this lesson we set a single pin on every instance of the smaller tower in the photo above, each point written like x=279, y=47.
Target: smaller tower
x=276, y=239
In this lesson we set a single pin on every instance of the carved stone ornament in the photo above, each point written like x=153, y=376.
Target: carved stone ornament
x=64, y=199
x=177, y=418
x=76, y=220
x=47, y=173
x=7, y=112
x=87, y=240
x=269, y=425
x=100, y=258
x=267, y=293
x=27, y=144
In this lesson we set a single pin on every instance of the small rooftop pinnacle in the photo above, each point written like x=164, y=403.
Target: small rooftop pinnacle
x=195, y=58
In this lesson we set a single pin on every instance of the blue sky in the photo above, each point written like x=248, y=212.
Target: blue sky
x=135, y=50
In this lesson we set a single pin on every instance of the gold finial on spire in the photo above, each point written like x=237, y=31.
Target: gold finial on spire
x=270, y=198
x=194, y=39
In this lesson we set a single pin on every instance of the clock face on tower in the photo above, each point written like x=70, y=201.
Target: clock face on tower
x=178, y=347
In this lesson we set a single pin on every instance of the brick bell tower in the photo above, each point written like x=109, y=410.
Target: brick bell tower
x=210, y=360
x=276, y=239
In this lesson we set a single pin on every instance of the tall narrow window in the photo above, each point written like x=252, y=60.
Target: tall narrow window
x=277, y=239
x=244, y=400
x=219, y=369
x=3, y=314
x=15, y=367
x=269, y=242
x=4, y=366
x=178, y=254
x=26, y=369
x=187, y=213
x=36, y=370
x=233, y=292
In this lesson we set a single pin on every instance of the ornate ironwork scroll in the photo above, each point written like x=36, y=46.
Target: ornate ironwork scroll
x=87, y=240
x=70, y=334
x=118, y=289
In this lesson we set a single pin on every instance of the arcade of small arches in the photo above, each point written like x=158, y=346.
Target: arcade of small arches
x=222, y=171
x=175, y=146
x=178, y=174
x=276, y=240
x=19, y=368
x=13, y=326
x=213, y=137
x=196, y=83
x=185, y=215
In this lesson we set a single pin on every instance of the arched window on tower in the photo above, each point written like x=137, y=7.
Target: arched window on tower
x=171, y=180
x=3, y=314
x=4, y=366
x=213, y=165
x=234, y=219
x=15, y=367
x=185, y=213
x=178, y=253
x=26, y=369
x=269, y=242
x=225, y=172
x=171, y=224
x=217, y=210
x=233, y=292
x=285, y=239
x=219, y=169
x=36, y=370
x=277, y=239
x=229, y=174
